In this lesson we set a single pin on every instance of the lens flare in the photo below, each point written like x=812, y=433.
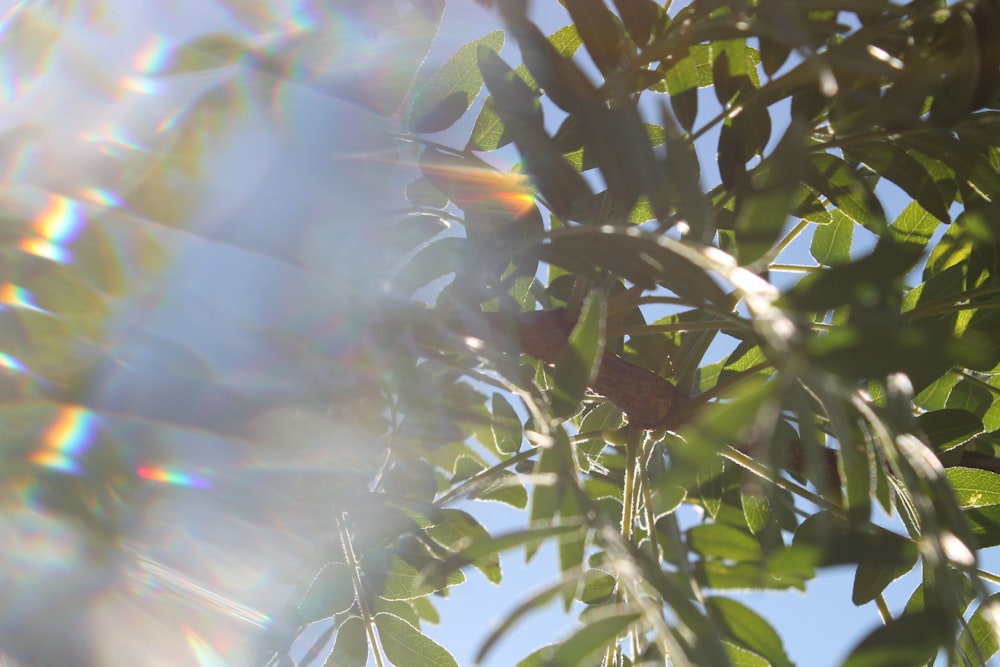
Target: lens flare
x=482, y=187
x=206, y=655
x=101, y=197
x=153, y=56
x=175, y=477
x=156, y=575
x=56, y=227
x=12, y=364
x=69, y=435
x=12, y=296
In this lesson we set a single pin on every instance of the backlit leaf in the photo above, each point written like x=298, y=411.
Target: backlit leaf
x=406, y=646
x=578, y=362
x=446, y=96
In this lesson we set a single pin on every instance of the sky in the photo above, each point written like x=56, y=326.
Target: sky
x=244, y=310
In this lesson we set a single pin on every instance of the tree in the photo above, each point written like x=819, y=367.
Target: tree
x=563, y=368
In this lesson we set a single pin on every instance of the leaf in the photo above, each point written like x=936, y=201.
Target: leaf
x=979, y=640
x=406, y=646
x=459, y=529
x=565, y=191
x=745, y=627
x=507, y=489
x=720, y=541
x=431, y=262
x=447, y=95
x=350, y=649
x=756, y=510
x=480, y=549
x=421, y=192
x=974, y=487
x=598, y=587
x=619, y=142
x=599, y=31
x=585, y=642
x=895, y=164
x=639, y=17
x=330, y=592
x=831, y=243
x=949, y=428
x=402, y=581
x=505, y=427
x=488, y=132
x=856, y=282
x=834, y=179
x=875, y=572
x=682, y=83
x=763, y=210
x=741, y=657
x=912, y=640
x=985, y=525
x=579, y=360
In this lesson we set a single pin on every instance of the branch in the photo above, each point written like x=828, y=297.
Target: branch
x=649, y=401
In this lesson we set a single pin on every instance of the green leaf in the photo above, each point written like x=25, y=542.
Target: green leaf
x=831, y=243
x=985, y=525
x=718, y=425
x=912, y=640
x=834, y=179
x=350, y=649
x=762, y=211
x=598, y=587
x=756, y=510
x=949, y=428
x=406, y=646
x=979, y=641
x=505, y=427
x=599, y=31
x=914, y=225
x=480, y=549
x=856, y=282
x=682, y=84
x=741, y=657
x=974, y=487
x=330, y=592
x=876, y=572
x=456, y=531
x=446, y=96
x=404, y=582
x=895, y=164
x=579, y=360
x=723, y=542
x=639, y=17
x=745, y=627
x=431, y=262
x=587, y=641
x=564, y=189
x=505, y=488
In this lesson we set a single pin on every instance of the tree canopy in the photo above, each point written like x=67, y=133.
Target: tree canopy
x=692, y=180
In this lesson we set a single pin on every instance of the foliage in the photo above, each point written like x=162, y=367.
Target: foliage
x=564, y=367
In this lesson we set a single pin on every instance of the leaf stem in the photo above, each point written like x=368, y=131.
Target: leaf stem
x=883, y=609
x=764, y=472
x=359, y=590
x=483, y=475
